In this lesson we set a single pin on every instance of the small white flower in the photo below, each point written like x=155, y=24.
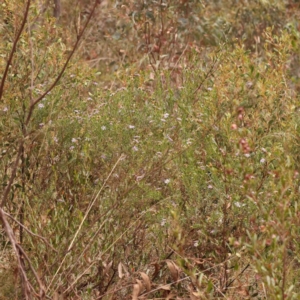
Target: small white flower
x=163, y=222
x=167, y=181
x=131, y=126
x=41, y=125
x=103, y=127
x=210, y=186
x=239, y=204
x=5, y=109
x=72, y=148
x=247, y=155
x=262, y=161
x=90, y=98
x=74, y=140
x=41, y=105
x=163, y=120
x=166, y=115
x=196, y=243
x=189, y=142
x=135, y=148
x=55, y=139
x=209, y=89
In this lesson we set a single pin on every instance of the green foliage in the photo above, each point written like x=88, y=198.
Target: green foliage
x=178, y=174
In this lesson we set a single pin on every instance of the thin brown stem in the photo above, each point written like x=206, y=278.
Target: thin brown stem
x=41, y=286
x=41, y=97
x=13, y=50
x=11, y=236
x=30, y=232
x=13, y=175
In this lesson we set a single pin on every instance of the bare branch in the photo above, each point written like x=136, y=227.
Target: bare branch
x=13, y=50
x=57, y=8
x=13, y=174
x=41, y=97
x=30, y=232
x=41, y=286
x=10, y=234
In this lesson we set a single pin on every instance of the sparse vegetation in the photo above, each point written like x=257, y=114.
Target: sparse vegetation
x=149, y=150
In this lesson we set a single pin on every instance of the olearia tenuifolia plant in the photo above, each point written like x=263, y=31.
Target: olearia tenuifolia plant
x=160, y=176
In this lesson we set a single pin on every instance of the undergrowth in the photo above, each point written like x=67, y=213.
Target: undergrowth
x=165, y=182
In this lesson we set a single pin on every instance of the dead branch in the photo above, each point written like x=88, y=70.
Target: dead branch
x=13, y=50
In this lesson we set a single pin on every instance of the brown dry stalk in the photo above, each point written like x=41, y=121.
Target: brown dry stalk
x=13, y=49
x=112, y=244
x=11, y=236
x=83, y=220
x=30, y=232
